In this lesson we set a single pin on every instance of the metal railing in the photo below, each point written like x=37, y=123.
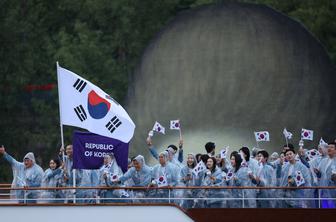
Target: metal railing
x=177, y=195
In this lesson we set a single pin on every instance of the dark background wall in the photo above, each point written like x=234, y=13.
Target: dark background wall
x=228, y=70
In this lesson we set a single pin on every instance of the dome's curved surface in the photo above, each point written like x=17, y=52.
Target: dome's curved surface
x=228, y=70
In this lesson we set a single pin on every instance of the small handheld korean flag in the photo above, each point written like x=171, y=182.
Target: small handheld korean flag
x=223, y=152
x=288, y=135
x=307, y=134
x=162, y=181
x=114, y=177
x=323, y=143
x=299, y=180
x=262, y=136
x=199, y=168
x=158, y=128
x=229, y=175
x=312, y=154
x=175, y=124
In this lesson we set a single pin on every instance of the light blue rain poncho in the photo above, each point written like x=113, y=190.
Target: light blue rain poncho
x=213, y=193
x=115, y=172
x=327, y=170
x=267, y=178
x=68, y=164
x=170, y=172
x=53, y=178
x=287, y=171
x=186, y=172
x=90, y=178
x=22, y=176
x=241, y=179
x=141, y=178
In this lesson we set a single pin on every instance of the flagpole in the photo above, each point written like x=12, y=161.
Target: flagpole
x=59, y=100
x=286, y=140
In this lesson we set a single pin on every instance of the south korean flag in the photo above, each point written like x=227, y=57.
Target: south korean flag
x=175, y=125
x=229, y=175
x=83, y=104
x=312, y=154
x=162, y=181
x=307, y=134
x=158, y=128
x=299, y=180
x=199, y=168
x=262, y=136
x=114, y=177
x=223, y=152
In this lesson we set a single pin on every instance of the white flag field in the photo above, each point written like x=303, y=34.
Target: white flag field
x=84, y=105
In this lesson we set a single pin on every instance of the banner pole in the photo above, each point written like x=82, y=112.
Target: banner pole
x=60, y=112
x=74, y=184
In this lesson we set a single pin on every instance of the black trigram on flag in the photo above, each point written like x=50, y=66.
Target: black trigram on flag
x=79, y=110
x=113, y=124
x=79, y=85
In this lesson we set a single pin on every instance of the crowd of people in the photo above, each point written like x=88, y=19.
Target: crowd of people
x=238, y=180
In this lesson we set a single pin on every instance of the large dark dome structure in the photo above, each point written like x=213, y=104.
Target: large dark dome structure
x=228, y=70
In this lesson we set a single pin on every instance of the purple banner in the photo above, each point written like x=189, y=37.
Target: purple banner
x=89, y=150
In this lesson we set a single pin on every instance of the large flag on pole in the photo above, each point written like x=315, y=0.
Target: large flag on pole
x=84, y=105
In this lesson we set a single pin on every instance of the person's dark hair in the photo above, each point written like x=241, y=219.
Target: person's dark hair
x=246, y=151
x=290, y=146
x=332, y=143
x=172, y=146
x=264, y=153
x=214, y=164
x=204, y=158
x=287, y=150
x=198, y=157
x=57, y=161
x=209, y=147
x=233, y=152
x=238, y=160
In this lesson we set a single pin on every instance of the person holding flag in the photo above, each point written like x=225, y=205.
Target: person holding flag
x=326, y=173
x=165, y=172
x=265, y=177
x=213, y=177
x=53, y=177
x=141, y=175
x=153, y=150
x=253, y=167
x=188, y=179
x=70, y=176
x=287, y=175
x=239, y=178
